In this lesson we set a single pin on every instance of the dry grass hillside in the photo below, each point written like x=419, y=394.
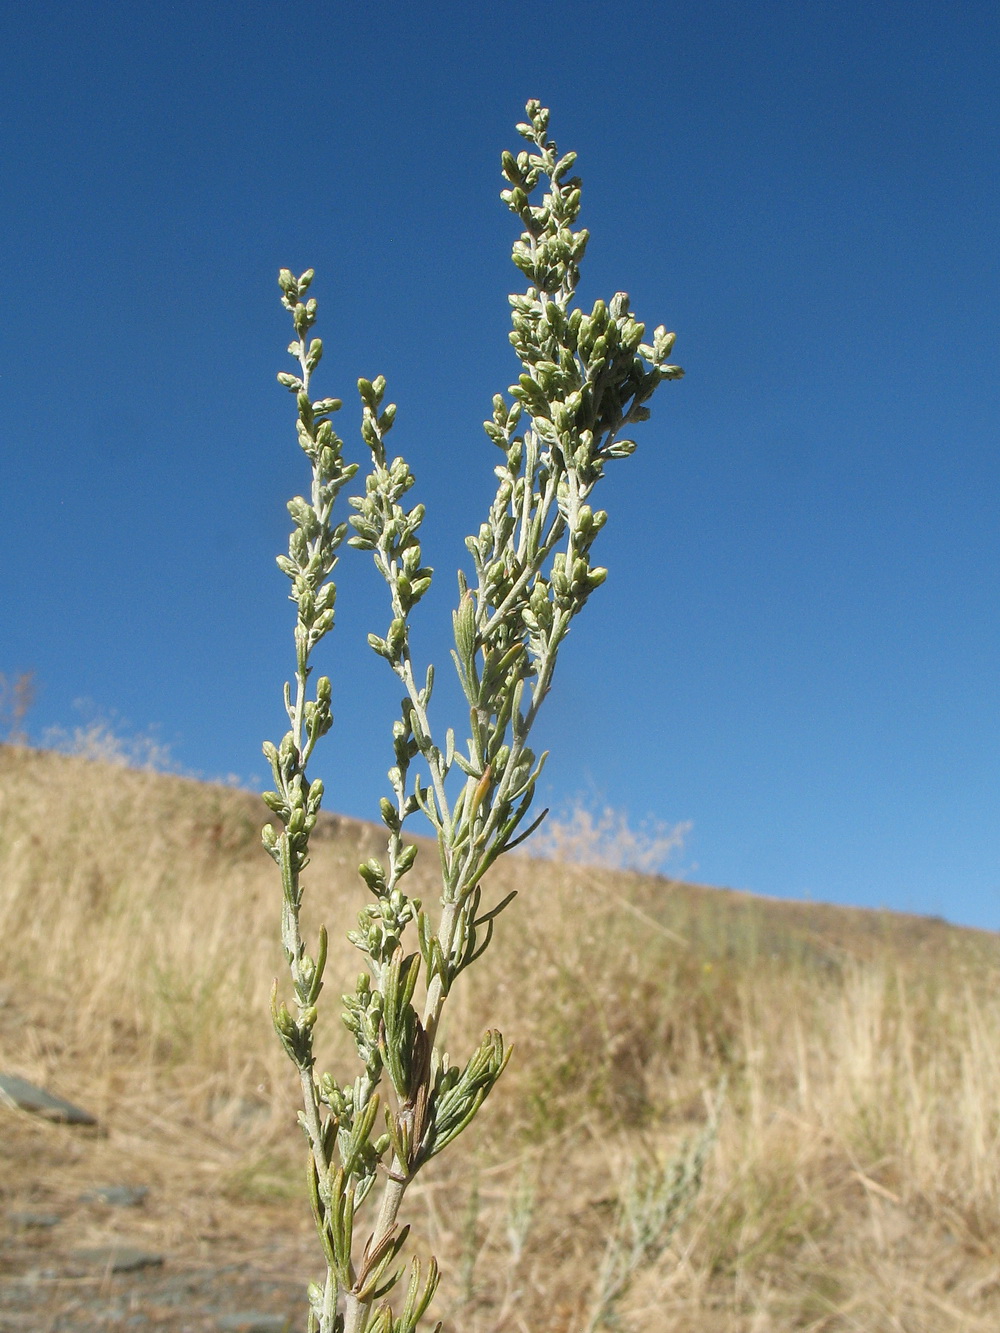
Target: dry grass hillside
x=853, y=1183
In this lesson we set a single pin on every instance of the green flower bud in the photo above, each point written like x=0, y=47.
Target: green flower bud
x=283, y=1020
x=406, y=858
x=396, y=637
x=464, y=622
x=373, y=874
x=390, y=815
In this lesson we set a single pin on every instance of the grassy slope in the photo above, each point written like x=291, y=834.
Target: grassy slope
x=854, y=1181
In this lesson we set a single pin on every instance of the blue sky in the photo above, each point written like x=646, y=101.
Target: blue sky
x=797, y=648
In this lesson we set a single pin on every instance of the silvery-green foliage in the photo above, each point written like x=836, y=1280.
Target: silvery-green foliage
x=654, y=1199
x=586, y=378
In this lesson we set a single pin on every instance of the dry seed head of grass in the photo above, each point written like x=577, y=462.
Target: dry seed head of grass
x=853, y=1181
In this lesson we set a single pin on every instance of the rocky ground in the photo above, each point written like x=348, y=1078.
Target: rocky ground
x=94, y=1235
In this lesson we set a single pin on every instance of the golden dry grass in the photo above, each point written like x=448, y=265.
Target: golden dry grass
x=854, y=1181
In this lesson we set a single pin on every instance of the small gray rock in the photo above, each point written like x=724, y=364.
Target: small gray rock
x=41, y=1220
x=118, y=1258
x=24, y=1096
x=117, y=1196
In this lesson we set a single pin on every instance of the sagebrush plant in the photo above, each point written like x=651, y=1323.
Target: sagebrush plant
x=654, y=1200
x=586, y=378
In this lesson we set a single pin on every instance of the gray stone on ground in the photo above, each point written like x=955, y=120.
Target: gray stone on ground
x=117, y=1196
x=24, y=1096
x=117, y=1258
x=41, y=1220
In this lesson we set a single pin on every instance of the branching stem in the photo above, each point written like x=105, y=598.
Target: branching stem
x=583, y=378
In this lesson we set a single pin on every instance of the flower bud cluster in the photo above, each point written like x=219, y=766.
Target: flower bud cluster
x=340, y=1123
x=381, y=525
x=363, y=1019
x=585, y=376
x=549, y=252
x=313, y=542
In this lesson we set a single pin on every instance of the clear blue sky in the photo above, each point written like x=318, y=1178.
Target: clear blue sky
x=798, y=645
